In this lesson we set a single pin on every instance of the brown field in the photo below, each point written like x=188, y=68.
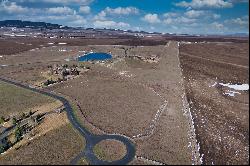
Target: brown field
x=139, y=162
x=221, y=121
x=121, y=96
x=25, y=44
x=113, y=102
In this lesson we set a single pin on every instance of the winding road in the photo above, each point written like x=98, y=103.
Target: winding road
x=91, y=139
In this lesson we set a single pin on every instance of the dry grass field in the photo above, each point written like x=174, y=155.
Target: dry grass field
x=15, y=100
x=25, y=44
x=144, y=101
x=54, y=141
x=125, y=96
x=110, y=150
x=221, y=121
x=58, y=146
x=111, y=103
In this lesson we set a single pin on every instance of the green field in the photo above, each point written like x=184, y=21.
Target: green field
x=16, y=100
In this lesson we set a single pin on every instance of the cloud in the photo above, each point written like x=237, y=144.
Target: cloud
x=217, y=26
x=194, y=13
x=60, y=10
x=12, y=7
x=185, y=20
x=101, y=16
x=69, y=20
x=216, y=16
x=61, y=15
x=195, y=4
x=182, y=19
x=239, y=22
x=239, y=1
x=84, y=9
x=121, y=10
x=168, y=21
x=151, y=18
x=110, y=24
x=170, y=14
x=81, y=2
x=77, y=20
x=116, y=11
x=201, y=14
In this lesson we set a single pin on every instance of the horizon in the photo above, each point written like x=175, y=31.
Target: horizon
x=193, y=17
x=245, y=34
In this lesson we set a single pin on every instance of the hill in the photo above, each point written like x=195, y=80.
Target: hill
x=23, y=24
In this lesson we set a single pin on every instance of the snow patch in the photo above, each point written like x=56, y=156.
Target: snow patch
x=62, y=50
x=231, y=93
x=236, y=86
x=213, y=84
x=67, y=59
x=62, y=43
x=125, y=73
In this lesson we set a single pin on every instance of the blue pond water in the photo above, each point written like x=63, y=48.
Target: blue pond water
x=95, y=56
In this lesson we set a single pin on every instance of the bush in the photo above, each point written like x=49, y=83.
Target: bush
x=65, y=66
x=81, y=66
x=48, y=82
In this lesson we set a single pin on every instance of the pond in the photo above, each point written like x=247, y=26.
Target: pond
x=94, y=57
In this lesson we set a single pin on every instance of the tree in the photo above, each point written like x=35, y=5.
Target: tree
x=23, y=115
x=2, y=149
x=2, y=120
x=18, y=133
x=30, y=113
x=14, y=121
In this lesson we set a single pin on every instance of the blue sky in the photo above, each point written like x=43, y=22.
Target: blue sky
x=167, y=16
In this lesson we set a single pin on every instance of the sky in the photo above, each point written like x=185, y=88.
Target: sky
x=165, y=16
